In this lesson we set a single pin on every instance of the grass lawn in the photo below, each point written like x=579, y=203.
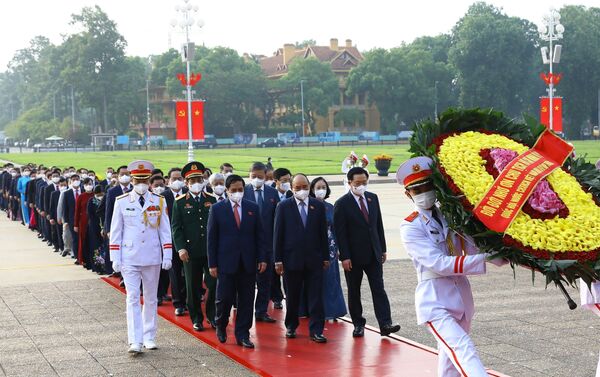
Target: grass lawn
x=312, y=160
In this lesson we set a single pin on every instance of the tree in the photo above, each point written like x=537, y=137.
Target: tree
x=494, y=57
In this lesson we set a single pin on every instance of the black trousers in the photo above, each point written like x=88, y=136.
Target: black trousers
x=230, y=286
x=195, y=270
x=374, y=272
x=276, y=293
x=177, y=282
x=312, y=280
x=263, y=291
x=163, y=283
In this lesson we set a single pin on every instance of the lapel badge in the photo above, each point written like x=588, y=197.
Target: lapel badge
x=188, y=205
x=311, y=207
x=250, y=213
x=369, y=200
x=207, y=204
x=272, y=200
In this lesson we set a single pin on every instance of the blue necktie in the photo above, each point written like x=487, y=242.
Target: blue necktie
x=142, y=201
x=260, y=199
x=303, y=214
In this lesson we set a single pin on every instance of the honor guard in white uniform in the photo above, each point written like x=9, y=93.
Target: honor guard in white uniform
x=443, y=259
x=140, y=242
x=590, y=299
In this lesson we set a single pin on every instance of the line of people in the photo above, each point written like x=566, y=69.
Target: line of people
x=230, y=243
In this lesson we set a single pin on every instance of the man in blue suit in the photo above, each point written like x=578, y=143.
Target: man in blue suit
x=302, y=252
x=69, y=201
x=119, y=189
x=267, y=199
x=236, y=250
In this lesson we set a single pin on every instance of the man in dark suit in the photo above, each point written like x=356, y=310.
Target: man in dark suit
x=52, y=187
x=283, y=185
x=69, y=201
x=106, y=181
x=122, y=187
x=54, y=196
x=188, y=223
x=302, y=252
x=267, y=198
x=235, y=249
x=361, y=241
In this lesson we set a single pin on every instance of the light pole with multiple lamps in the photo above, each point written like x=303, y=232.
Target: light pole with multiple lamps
x=185, y=22
x=551, y=31
x=302, y=105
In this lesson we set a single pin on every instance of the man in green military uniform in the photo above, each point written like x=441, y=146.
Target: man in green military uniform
x=188, y=222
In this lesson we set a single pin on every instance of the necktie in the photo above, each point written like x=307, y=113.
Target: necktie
x=363, y=208
x=76, y=194
x=303, y=214
x=259, y=198
x=221, y=198
x=236, y=215
x=197, y=199
x=436, y=217
x=142, y=201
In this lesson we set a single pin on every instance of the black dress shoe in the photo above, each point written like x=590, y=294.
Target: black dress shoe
x=213, y=324
x=246, y=343
x=318, y=338
x=388, y=329
x=49, y=243
x=290, y=333
x=159, y=301
x=265, y=318
x=122, y=283
x=198, y=326
x=277, y=305
x=179, y=312
x=359, y=331
x=56, y=250
x=221, y=335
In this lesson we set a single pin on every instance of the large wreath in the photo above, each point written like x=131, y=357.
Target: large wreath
x=556, y=231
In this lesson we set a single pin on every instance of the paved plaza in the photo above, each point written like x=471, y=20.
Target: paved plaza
x=58, y=319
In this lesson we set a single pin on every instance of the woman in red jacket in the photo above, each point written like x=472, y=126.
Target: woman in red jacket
x=84, y=255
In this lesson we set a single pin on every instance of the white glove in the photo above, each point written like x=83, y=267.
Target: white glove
x=497, y=261
x=166, y=264
x=116, y=266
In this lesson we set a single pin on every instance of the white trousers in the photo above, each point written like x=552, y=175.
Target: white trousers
x=596, y=310
x=67, y=238
x=141, y=320
x=457, y=355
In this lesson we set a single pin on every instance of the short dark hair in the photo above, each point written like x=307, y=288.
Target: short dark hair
x=91, y=171
x=226, y=165
x=62, y=179
x=87, y=180
x=122, y=167
x=208, y=171
x=75, y=176
x=110, y=168
x=356, y=171
x=233, y=179
x=156, y=171
x=156, y=177
x=258, y=166
x=280, y=172
x=98, y=189
x=314, y=183
x=172, y=170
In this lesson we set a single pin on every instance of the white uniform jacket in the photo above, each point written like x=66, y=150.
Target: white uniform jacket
x=140, y=236
x=589, y=298
x=443, y=288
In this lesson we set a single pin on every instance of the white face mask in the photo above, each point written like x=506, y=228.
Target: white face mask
x=257, y=182
x=197, y=187
x=92, y=177
x=75, y=184
x=88, y=188
x=320, y=194
x=301, y=195
x=236, y=197
x=158, y=190
x=219, y=189
x=13, y=174
x=99, y=197
x=286, y=186
x=227, y=174
x=425, y=200
x=269, y=183
x=359, y=190
x=26, y=173
x=176, y=185
x=83, y=176
x=108, y=175
x=141, y=188
x=124, y=179
x=62, y=188
x=55, y=179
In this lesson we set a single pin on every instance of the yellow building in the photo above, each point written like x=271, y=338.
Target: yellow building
x=342, y=59
x=162, y=113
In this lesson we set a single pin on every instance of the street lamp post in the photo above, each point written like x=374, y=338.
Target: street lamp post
x=551, y=31
x=302, y=105
x=435, y=111
x=185, y=22
x=147, y=113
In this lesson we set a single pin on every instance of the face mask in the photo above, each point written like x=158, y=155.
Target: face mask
x=269, y=183
x=227, y=174
x=320, y=194
x=88, y=188
x=158, y=190
x=92, y=177
x=124, y=179
x=13, y=174
x=62, y=188
x=176, y=185
x=286, y=186
x=75, y=184
x=108, y=175
x=301, y=195
x=359, y=190
x=141, y=188
x=424, y=200
x=197, y=187
x=257, y=183
x=84, y=176
x=26, y=173
x=99, y=197
x=55, y=179
x=236, y=197
x=219, y=190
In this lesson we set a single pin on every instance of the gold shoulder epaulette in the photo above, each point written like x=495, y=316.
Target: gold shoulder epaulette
x=180, y=196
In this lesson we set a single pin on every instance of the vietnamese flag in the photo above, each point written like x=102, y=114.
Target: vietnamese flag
x=181, y=118
x=556, y=113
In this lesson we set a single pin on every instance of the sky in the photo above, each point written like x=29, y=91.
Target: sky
x=254, y=26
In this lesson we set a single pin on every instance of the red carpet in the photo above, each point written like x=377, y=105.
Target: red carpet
x=343, y=355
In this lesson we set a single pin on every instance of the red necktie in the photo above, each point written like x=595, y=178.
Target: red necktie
x=76, y=194
x=363, y=209
x=236, y=215
x=221, y=198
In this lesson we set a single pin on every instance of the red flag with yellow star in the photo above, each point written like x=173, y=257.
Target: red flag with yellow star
x=181, y=118
x=556, y=113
